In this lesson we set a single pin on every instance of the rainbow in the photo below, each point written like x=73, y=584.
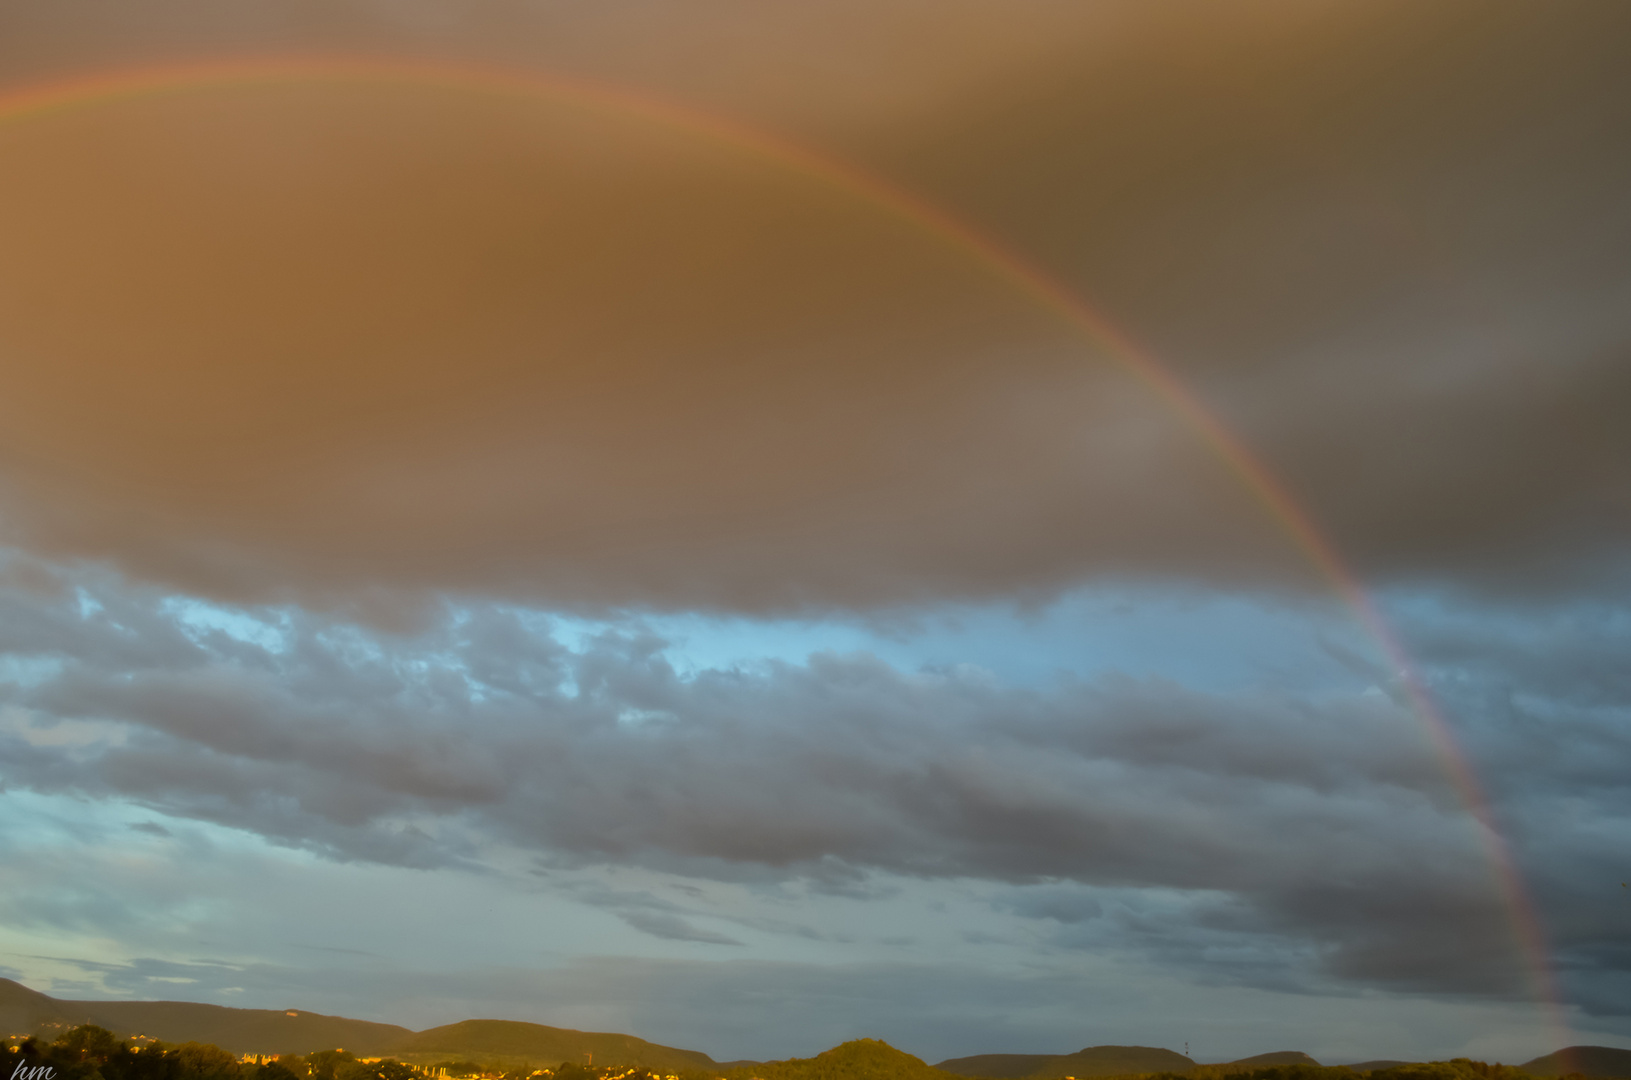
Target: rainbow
x=41, y=101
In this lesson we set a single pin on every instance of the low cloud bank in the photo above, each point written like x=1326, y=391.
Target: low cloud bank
x=1309, y=837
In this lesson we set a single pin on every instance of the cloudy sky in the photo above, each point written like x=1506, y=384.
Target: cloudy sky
x=598, y=514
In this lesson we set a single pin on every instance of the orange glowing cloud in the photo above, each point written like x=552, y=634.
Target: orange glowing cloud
x=281, y=335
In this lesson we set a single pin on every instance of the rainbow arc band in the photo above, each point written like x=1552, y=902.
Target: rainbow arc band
x=41, y=101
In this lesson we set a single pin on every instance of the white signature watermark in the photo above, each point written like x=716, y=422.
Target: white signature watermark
x=25, y=1071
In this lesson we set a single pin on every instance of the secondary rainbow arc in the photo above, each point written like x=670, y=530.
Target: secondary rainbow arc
x=44, y=99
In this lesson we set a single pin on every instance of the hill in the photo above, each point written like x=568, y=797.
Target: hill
x=860, y=1059
x=24, y=1011
x=1588, y=1060
x=996, y=1066
x=515, y=1041
x=1276, y=1057
x=243, y=1031
x=295, y=1031
x=1091, y=1061
x=1114, y=1061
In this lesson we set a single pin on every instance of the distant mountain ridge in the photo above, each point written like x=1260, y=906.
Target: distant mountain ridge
x=245, y=1031
x=859, y=1059
x=1089, y=1061
x=1275, y=1057
x=1588, y=1060
x=995, y=1066
x=515, y=1040
x=1101, y=1061
x=1379, y=1063
x=296, y=1031
x=24, y=1011
x=242, y=1031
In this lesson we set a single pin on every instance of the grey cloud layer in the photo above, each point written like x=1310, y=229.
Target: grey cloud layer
x=1311, y=838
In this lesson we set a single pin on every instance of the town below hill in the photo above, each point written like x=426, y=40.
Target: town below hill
x=178, y=1040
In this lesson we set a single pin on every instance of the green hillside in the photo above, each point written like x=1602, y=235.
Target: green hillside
x=861, y=1059
x=1587, y=1060
x=243, y=1031
x=295, y=1031
x=512, y=1041
x=28, y=1012
x=1115, y=1061
x=996, y=1066
x=1091, y=1061
x=1276, y=1057
x=1378, y=1064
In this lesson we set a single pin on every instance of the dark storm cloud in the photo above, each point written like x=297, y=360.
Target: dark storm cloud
x=1388, y=241
x=1309, y=839
x=335, y=338
x=595, y=363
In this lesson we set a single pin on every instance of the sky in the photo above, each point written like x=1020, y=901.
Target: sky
x=995, y=527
